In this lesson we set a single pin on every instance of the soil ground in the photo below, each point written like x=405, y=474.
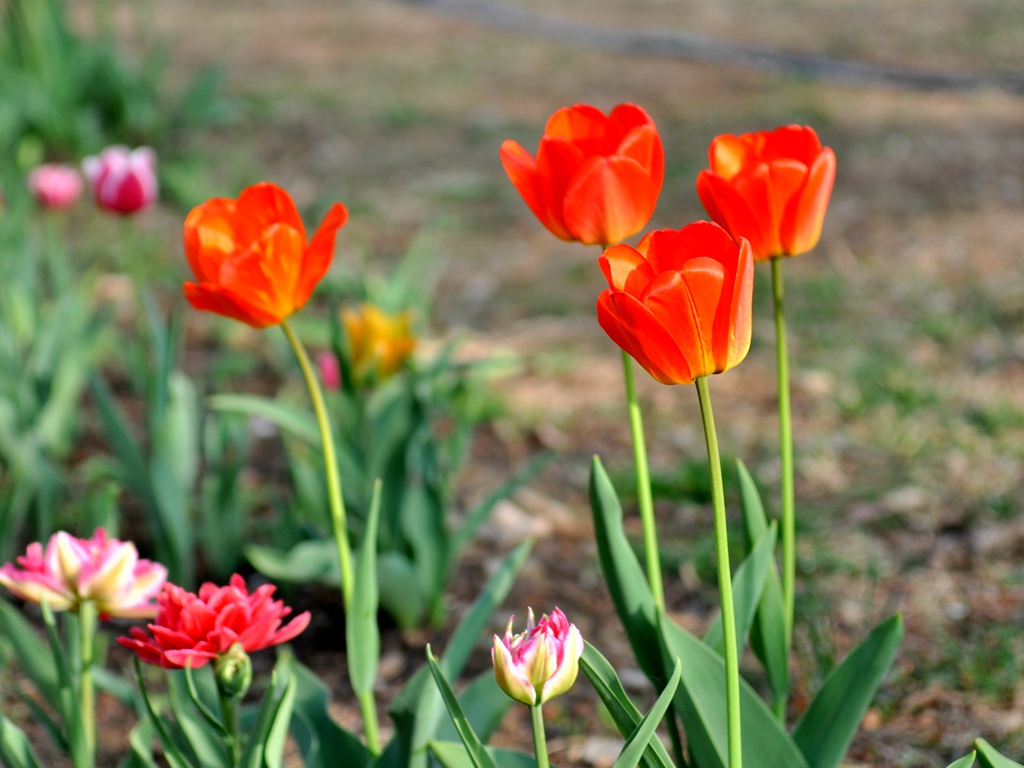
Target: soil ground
x=906, y=323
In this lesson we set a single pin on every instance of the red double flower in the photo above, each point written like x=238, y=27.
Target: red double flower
x=192, y=629
x=595, y=178
x=680, y=303
x=251, y=258
x=771, y=187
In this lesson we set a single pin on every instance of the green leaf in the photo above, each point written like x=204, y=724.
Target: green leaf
x=322, y=742
x=15, y=750
x=748, y=586
x=416, y=710
x=830, y=722
x=307, y=561
x=637, y=744
x=206, y=741
x=32, y=655
x=602, y=677
x=171, y=751
x=293, y=419
x=454, y=755
x=484, y=703
x=700, y=702
x=252, y=755
x=140, y=754
x=401, y=594
x=173, y=466
x=361, y=632
x=273, y=747
x=768, y=633
x=474, y=747
x=989, y=757
x=967, y=761
x=625, y=578
x=71, y=713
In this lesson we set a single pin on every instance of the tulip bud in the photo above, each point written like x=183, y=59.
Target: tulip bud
x=55, y=186
x=330, y=371
x=540, y=663
x=233, y=671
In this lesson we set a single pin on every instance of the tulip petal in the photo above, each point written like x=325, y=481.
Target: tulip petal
x=260, y=207
x=728, y=155
x=805, y=217
x=742, y=208
x=209, y=236
x=791, y=142
x=586, y=127
x=558, y=161
x=568, y=667
x=685, y=302
x=644, y=145
x=209, y=297
x=735, y=317
x=509, y=675
x=610, y=199
x=319, y=253
x=626, y=270
x=633, y=327
x=521, y=168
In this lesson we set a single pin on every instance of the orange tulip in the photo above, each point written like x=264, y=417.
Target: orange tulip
x=595, y=179
x=680, y=303
x=770, y=187
x=250, y=256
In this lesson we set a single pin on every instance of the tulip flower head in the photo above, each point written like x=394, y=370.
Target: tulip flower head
x=540, y=663
x=680, y=303
x=122, y=180
x=250, y=256
x=55, y=186
x=193, y=629
x=68, y=571
x=595, y=178
x=329, y=370
x=770, y=187
x=380, y=344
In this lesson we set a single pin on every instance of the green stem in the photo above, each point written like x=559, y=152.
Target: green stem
x=540, y=744
x=87, y=617
x=732, y=668
x=643, y=487
x=369, y=709
x=337, y=503
x=786, y=454
x=229, y=716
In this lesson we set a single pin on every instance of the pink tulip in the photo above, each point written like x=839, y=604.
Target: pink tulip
x=330, y=371
x=106, y=571
x=122, y=181
x=540, y=663
x=195, y=629
x=55, y=185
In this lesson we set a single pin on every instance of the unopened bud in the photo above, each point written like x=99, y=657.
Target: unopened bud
x=233, y=671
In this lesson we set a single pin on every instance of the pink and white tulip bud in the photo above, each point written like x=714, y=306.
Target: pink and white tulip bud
x=105, y=571
x=540, y=663
x=122, y=180
x=55, y=186
x=330, y=371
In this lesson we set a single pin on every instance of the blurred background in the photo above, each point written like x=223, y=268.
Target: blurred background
x=906, y=322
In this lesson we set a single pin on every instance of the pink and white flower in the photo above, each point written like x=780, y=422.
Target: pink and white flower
x=122, y=180
x=55, y=185
x=540, y=663
x=68, y=571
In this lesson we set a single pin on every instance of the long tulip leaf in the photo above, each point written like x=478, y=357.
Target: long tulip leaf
x=171, y=750
x=700, y=702
x=748, y=587
x=361, y=631
x=70, y=711
x=474, y=747
x=485, y=705
x=273, y=745
x=967, y=761
x=625, y=578
x=638, y=743
x=32, y=656
x=15, y=750
x=989, y=756
x=451, y=754
x=601, y=674
x=768, y=632
x=830, y=722
x=288, y=418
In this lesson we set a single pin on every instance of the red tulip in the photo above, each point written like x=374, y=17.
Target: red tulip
x=122, y=180
x=55, y=186
x=770, y=187
x=250, y=256
x=595, y=179
x=194, y=629
x=680, y=303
